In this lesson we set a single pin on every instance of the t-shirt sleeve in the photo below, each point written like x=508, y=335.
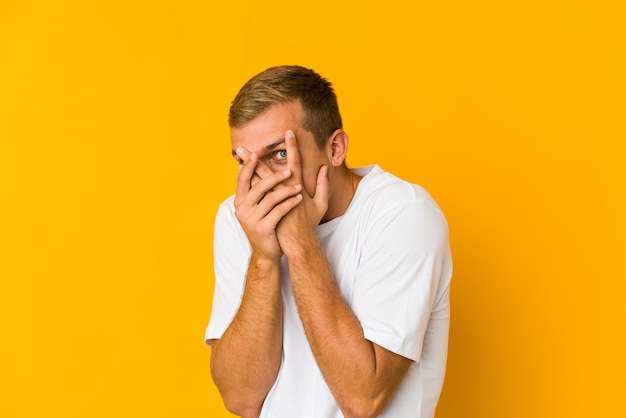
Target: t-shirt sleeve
x=231, y=253
x=405, y=259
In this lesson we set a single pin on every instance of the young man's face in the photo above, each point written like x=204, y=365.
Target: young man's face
x=265, y=136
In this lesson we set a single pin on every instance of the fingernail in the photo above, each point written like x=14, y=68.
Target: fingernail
x=297, y=187
x=289, y=134
x=286, y=172
x=239, y=150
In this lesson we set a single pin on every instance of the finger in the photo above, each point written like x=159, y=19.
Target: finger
x=322, y=188
x=275, y=197
x=279, y=211
x=274, y=204
x=262, y=169
x=293, y=155
x=244, y=178
x=258, y=191
x=255, y=178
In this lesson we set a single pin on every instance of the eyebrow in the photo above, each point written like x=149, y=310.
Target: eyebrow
x=266, y=148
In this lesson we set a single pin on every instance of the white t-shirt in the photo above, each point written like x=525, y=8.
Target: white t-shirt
x=391, y=258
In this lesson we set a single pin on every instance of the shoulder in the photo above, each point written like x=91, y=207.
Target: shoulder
x=227, y=207
x=385, y=193
x=400, y=216
x=225, y=218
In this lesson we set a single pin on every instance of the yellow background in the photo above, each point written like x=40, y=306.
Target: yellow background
x=114, y=155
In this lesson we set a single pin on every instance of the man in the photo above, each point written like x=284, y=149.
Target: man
x=332, y=284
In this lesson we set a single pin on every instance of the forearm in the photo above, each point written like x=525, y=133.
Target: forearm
x=360, y=379
x=246, y=359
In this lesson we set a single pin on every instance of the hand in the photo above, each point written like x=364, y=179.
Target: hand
x=261, y=169
x=298, y=225
x=260, y=204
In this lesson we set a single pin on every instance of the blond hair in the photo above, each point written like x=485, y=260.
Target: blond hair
x=284, y=84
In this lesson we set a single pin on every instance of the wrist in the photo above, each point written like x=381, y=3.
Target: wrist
x=264, y=261
x=301, y=247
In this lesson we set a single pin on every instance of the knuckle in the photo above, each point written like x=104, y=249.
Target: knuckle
x=240, y=214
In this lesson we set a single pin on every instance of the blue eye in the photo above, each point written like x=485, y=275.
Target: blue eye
x=280, y=155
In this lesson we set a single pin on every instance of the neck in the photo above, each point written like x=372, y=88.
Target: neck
x=343, y=187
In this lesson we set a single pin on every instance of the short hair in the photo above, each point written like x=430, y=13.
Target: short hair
x=283, y=84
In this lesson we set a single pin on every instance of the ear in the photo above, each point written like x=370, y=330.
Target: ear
x=338, y=142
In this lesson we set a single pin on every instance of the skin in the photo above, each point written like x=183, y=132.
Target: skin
x=280, y=199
